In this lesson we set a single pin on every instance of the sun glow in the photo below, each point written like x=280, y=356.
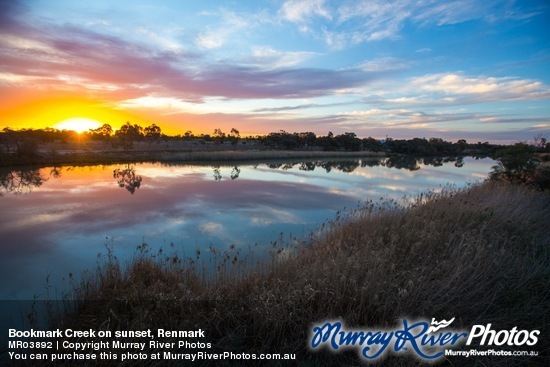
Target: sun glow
x=78, y=124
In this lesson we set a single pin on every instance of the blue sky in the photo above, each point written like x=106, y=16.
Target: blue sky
x=477, y=70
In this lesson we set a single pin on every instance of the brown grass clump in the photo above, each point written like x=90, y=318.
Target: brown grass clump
x=480, y=254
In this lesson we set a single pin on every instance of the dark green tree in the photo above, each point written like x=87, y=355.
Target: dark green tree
x=516, y=164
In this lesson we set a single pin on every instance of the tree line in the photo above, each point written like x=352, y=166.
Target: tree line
x=23, y=143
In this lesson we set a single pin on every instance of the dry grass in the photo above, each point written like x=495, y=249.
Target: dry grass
x=480, y=255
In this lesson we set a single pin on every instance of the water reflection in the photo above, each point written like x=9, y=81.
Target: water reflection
x=217, y=173
x=21, y=181
x=402, y=162
x=25, y=180
x=62, y=222
x=410, y=163
x=235, y=172
x=127, y=178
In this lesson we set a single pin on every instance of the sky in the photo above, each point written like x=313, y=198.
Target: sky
x=468, y=69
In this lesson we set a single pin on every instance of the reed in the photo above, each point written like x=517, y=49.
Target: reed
x=479, y=254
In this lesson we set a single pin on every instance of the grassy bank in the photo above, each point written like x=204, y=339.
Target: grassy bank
x=481, y=255
x=90, y=156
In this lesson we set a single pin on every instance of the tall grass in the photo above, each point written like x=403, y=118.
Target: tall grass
x=480, y=254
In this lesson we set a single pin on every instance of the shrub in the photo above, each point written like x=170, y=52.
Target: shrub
x=516, y=164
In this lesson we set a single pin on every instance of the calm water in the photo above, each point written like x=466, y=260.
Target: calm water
x=55, y=221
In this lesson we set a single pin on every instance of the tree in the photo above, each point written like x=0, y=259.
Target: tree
x=22, y=143
x=152, y=132
x=307, y=139
x=8, y=141
x=372, y=144
x=516, y=164
x=539, y=141
x=133, y=131
x=28, y=147
x=234, y=136
x=461, y=145
x=218, y=135
x=103, y=132
x=127, y=134
x=349, y=141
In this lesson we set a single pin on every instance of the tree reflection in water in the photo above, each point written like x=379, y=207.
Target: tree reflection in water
x=410, y=163
x=217, y=173
x=24, y=180
x=402, y=162
x=235, y=172
x=21, y=181
x=127, y=178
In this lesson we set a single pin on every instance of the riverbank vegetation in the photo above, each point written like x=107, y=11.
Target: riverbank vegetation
x=479, y=254
x=133, y=143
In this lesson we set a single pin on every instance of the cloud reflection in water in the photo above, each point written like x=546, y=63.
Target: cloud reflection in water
x=62, y=217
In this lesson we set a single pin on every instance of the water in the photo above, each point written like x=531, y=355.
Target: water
x=54, y=222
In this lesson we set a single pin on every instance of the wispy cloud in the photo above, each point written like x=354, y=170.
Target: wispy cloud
x=302, y=10
x=268, y=57
x=376, y=20
x=301, y=107
x=485, y=89
x=231, y=26
x=406, y=117
x=384, y=64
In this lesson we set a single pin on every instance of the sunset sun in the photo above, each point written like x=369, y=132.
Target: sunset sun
x=78, y=124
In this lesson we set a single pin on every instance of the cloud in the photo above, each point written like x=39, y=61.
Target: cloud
x=267, y=57
x=404, y=117
x=484, y=88
x=252, y=82
x=517, y=120
x=72, y=58
x=210, y=40
x=453, y=89
x=452, y=12
x=377, y=20
x=264, y=216
x=384, y=64
x=301, y=107
x=211, y=227
x=301, y=10
x=168, y=105
x=232, y=26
